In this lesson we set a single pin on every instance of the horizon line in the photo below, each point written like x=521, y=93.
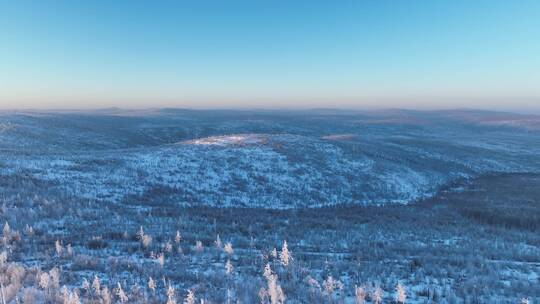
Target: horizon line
x=535, y=112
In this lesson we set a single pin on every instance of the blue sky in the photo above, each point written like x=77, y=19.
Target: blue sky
x=412, y=54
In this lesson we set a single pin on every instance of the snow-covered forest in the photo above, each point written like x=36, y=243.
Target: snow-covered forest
x=322, y=206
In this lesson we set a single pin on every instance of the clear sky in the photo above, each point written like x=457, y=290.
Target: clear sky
x=227, y=53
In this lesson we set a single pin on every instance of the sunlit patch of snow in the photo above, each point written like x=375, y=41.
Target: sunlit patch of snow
x=233, y=139
x=527, y=124
x=4, y=127
x=338, y=137
x=393, y=121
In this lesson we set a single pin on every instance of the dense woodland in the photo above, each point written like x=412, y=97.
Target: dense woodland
x=179, y=206
x=472, y=243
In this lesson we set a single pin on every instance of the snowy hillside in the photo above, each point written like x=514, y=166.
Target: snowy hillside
x=257, y=159
x=113, y=205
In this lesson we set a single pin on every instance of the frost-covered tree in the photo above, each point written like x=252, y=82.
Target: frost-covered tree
x=146, y=240
x=274, y=253
x=170, y=295
x=285, y=255
x=58, y=247
x=122, y=297
x=31, y=295
x=217, y=242
x=160, y=259
x=359, y=295
x=152, y=285
x=273, y=290
x=330, y=285
x=229, y=296
x=267, y=271
x=263, y=295
x=401, y=295
x=29, y=231
x=7, y=230
x=96, y=285
x=69, y=250
x=377, y=295
x=3, y=258
x=44, y=280
x=228, y=248
x=106, y=295
x=199, y=246
x=168, y=247
x=65, y=295
x=70, y=297
x=314, y=286
x=228, y=267
x=140, y=234
x=190, y=298
x=54, y=275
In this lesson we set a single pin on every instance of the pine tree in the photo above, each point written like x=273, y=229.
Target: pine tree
x=228, y=248
x=152, y=285
x=170, y=295
x=285, y=255
x=359, y=295
x=190, y=298
x=96, y=285
x=122, y=297
x=218, y=243
x=377, y=295
x=400, y=294
x=228, y=267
